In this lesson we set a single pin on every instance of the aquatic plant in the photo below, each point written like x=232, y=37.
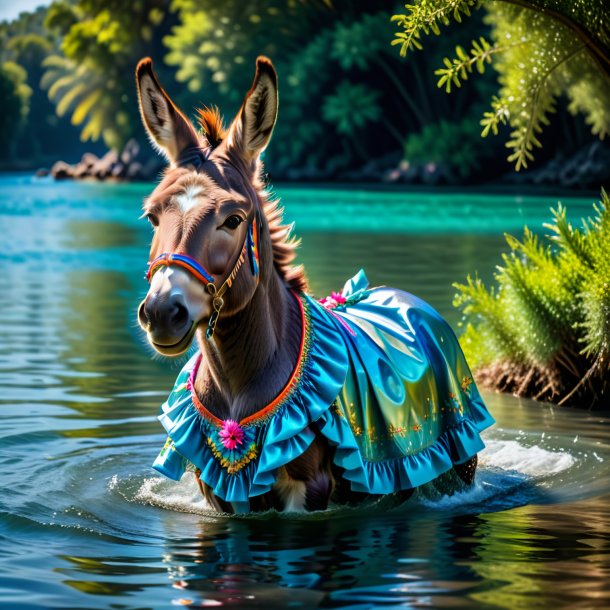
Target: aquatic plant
x=541, y=49
x=544, y=329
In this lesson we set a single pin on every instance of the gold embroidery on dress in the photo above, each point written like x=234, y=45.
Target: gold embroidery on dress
x=237, y=465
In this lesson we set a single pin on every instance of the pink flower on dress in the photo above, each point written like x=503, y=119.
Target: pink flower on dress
x=232, y=434
x=334, y=300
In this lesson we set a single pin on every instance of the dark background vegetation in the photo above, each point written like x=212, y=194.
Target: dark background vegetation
x=351, y=109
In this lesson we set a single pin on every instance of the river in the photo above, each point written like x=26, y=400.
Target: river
x=86, y=523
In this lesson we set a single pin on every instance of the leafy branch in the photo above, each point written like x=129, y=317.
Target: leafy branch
x=524, y=138
x=459, y=67
x=425, y=17
x=498, y=115
x=531, y=77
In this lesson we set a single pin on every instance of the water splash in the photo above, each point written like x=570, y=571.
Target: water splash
x=505, y=467
x=532, y=461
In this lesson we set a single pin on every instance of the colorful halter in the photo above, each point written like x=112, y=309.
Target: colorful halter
x=250, y=247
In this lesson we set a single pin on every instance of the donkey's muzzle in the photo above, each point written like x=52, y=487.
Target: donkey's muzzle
x=167, y=321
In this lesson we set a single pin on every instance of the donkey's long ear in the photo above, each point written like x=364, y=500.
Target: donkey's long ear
x=170, y=131
x=251, y=130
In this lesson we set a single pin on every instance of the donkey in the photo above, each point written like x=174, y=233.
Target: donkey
x=289, y=403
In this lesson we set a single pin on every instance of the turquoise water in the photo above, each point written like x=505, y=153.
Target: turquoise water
x=85, y=522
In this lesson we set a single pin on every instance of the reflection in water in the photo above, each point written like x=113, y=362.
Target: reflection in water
x=506, y=560
x=85, y=524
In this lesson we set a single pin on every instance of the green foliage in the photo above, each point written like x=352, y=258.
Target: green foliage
x=324, y=56
x=550, y=312
x=457, y=70
x=102, y=40
x=351, y=107
x=29, y=49
x=359, y=43
x=328, y=55
x=456, y=144
x=14, y=101
x=214, y=44
x=425, y=17
x=543, y=49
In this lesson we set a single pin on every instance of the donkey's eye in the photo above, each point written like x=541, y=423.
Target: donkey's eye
x=233, y=222
x=154, y=221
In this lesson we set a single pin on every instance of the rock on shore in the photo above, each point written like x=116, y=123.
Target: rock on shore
x=130, y=164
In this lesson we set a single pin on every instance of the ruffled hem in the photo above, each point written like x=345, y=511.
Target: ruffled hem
x=287, y=434
x=456, y=445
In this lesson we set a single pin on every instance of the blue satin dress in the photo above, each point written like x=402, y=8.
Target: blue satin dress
x=381, y=376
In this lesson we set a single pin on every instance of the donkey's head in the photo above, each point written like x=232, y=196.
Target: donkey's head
x=216, y=236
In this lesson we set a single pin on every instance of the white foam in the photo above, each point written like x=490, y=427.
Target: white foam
x=532, y=461
x=475, y=494
x=183, y=496
x=503, y=465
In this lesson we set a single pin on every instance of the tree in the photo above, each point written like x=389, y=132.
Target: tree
x=102, y=40
x=335, y=64
x=541, y=49
x=14, y=102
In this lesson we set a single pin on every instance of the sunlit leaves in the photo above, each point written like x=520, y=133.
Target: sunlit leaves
x=79, y=89
x=499, y=115
x=16, y=75
x=457, y=69
x=14, y=102
x=426, y=17
x=216, y=42
x=538, y=58
x=102, y=42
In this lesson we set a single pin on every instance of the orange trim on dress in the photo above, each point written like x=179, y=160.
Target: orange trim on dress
x=261, y=413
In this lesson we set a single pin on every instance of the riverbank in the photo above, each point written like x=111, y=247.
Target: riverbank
x=587, y=168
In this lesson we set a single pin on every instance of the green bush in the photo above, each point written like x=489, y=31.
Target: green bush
x=544, y=330
x=458, y=145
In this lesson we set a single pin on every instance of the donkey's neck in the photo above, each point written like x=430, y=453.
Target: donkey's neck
x=252, y=355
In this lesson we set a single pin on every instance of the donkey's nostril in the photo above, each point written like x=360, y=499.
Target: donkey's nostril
x=143, y=317
x=179, y=315
x=165, y=318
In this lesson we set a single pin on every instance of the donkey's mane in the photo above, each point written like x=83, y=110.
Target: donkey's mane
x=212, y=125
x=284, y=245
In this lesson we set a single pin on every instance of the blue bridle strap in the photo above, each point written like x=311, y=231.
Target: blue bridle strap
x=183, y=260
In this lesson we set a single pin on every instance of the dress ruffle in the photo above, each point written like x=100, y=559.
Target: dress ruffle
x=319, y=402
x=283, y=438
x=455, y=446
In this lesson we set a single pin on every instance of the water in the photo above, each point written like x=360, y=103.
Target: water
x=84, y=521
